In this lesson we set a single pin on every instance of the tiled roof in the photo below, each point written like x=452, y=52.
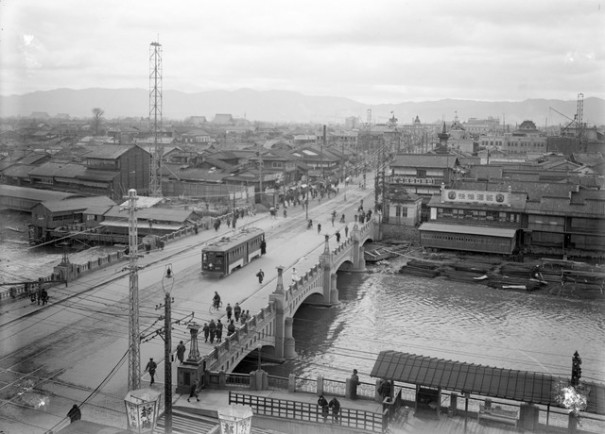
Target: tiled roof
x=64, y=170
x=98, y=175
x=159, y=214
x=423, y=160
x=106, y=151
x=34, y=157
x=18, y=171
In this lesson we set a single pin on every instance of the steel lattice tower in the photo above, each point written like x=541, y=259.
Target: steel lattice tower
x=155, y=115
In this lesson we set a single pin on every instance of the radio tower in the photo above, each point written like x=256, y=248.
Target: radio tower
x=155, y=114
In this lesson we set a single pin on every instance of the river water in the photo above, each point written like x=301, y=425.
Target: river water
x=452, y=320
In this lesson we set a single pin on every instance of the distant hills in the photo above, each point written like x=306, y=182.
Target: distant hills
x=285, y=106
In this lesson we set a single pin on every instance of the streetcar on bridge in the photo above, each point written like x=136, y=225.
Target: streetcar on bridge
x=223, y=256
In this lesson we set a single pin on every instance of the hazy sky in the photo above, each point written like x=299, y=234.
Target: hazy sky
x=371, y=51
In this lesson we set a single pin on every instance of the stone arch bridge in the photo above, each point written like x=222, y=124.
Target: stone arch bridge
x=271, y=329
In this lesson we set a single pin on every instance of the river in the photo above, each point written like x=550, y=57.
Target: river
x=439, y=318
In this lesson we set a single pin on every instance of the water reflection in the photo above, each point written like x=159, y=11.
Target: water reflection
x=452, y=320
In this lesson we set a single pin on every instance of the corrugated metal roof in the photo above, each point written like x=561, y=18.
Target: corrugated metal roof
x=64, y=170
x=463, y=229
x=523, y=386
x=157, y=214
x=80, y=203
x=33, y=193
x=108, y=151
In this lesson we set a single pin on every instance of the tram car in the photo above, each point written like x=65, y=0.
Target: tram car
x=230, y=253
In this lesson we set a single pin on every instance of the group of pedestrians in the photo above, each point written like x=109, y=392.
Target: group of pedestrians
x=326, y=406
x=213, y=331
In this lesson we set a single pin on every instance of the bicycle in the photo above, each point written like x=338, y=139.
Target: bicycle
x=215, y=307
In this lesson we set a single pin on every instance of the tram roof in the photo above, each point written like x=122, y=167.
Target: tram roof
x=225, y=243
x=523, y=386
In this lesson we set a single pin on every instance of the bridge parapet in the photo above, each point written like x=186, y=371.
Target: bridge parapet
x=234, y=348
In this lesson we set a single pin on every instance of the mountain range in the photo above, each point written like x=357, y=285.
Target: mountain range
x=286, y=106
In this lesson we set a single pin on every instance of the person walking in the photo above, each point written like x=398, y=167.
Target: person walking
x=74, y=414
x=323, y=403
x=151, y=367
x=193, y=391
x=212, y=330
x=347, y=231
x=335, y=406
x=180, y=351
x=294, y=275
x=206, y=330
x=243, y=317
x=219, y=331
x=337, y=236
x=230, y=328
x=263, y=247
x=229, y=310
x=237, y=311
x=318, y=228
x=261, y=276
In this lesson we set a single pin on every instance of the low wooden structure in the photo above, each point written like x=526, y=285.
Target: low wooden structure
x=497, y=414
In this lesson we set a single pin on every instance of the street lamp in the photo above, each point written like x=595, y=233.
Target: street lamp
x=167, y=285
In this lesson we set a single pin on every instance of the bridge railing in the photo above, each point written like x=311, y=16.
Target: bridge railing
x=308, y=412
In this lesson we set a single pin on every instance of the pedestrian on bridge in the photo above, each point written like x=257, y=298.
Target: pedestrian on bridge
x=229, y=310
x=230, y=328
x=237, y=310
x=206, y=330
x=337, y=236
x=74, y=414
x=346, y=231
x=219, y=331
x=318, y=228
x=212, y=330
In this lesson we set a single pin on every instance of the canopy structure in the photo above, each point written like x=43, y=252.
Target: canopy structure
x=522, y=386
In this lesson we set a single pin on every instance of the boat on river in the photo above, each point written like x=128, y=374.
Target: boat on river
x=418, y=267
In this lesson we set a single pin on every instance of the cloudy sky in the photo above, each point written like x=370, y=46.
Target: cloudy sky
x=375, y=51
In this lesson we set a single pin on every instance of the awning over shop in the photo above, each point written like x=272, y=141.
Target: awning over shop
x=522, y=386
x=464, y=229
x=140, y=225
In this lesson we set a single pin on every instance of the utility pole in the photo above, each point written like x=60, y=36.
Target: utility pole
x=134, y=355
x=344, y=172
x=260, y=173
x=155, y=111
x=323, y=144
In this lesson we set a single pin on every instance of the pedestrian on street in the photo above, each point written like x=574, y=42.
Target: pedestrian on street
x=74, y=414
x=230, y=328
x=342, y=219
x=261, y=276
x=337, y=236
x=206, y=330
x=212, y=330
x=180, y=351
x=193, y=391
x=229, y=310
x=335, y=406
x=354, y=383
x=151, y=367
x=318, y=228
x=323, y=403
x=294, y=275
x=385, y=389
x=346, y=231
x=243, y=318
x=263, y=247
x=219, y=331
x=237, y=311
x=217, y=224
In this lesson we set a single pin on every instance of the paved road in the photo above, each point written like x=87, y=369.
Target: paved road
x=60, y=354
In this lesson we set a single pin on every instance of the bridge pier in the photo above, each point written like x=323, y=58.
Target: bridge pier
x=284, y=342
x=359, y=261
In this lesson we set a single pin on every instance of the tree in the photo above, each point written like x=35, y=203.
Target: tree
x=97, y=117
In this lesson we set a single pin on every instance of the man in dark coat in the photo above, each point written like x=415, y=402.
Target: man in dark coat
x=193, y=391
x=151, y=367
x=74, y=414
x=335, y=406
x=323, y=403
